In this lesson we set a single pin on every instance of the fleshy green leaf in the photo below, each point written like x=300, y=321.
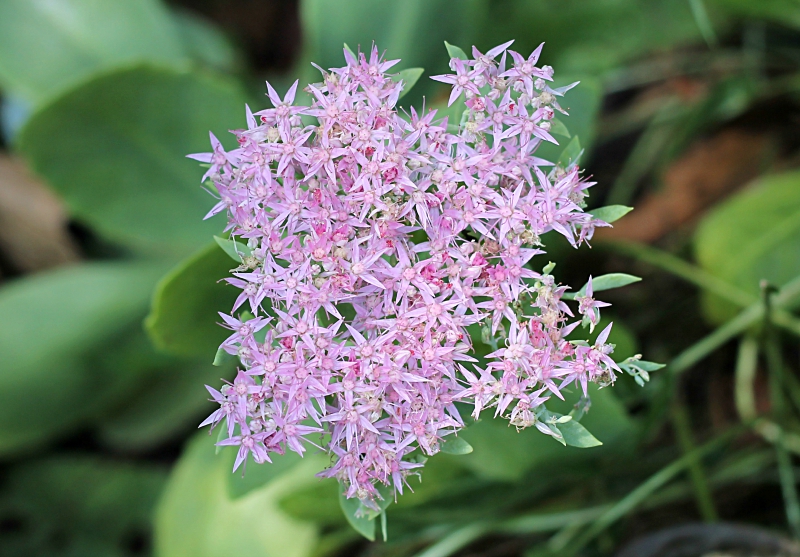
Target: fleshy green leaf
x=205, y=42
x=575, y=435
x=236, y=250
x=354, y=513
x=609, y=282
x=754, y=235
x=502, y=453
x=557, y=127
x=455, y=445
x=409, y=77
x=183, y=317
x=610, y=213
x=196, y=516
x=571, y=153
x=47, y=47
x=455, y=52
x=120, y=163
x=56, y=329
x=257, y=475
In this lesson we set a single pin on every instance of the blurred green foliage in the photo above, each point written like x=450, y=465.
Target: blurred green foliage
x=107, y=98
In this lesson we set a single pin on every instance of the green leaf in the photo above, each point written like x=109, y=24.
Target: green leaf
x=575, y=435
x=257, y=475
x=354, y=513
x=557, y=127
x=120, y=163
x=78, y=505
x=611, y=213
x=501, y=453
x=754, y=235
x=624, y=341
x=196, y=516
x=59, y=335
x=571, y=153
x=409, y=77
x=236, y=250
x=455, y=445
x=455, y=52
x=183, y=317
x=206, y=43
x=583, y=105
x=164, y=406
x=608, y=282
x=48, y=47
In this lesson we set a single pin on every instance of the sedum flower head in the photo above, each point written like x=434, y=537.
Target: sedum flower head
x=382, y=244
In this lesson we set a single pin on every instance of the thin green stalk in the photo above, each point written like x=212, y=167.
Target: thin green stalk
x=636, y=497
x=702, y=493
x=772, y=348
x=746, y=366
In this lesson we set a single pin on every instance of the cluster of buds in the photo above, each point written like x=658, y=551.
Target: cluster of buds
x=378, y=247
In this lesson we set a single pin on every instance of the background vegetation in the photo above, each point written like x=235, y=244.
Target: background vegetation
x=689, y=110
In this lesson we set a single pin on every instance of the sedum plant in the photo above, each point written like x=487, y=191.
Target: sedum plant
x=379, y=249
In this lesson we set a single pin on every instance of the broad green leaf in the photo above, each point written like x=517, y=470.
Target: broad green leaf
x=163, y=406
x=120, y=163
x=557, y=127
x=77, y=505
x=754, y=235
x=575, y=435
x=583, y=105
x=206, y=43
x=455, y=52
x=183, y=317
x=236, y=250
x=60, y=339
x=608, y=282
x=409, y=77
x=611, y=213
x=502, y=453
x=412, y=30
x=354, y=513
x=571, y=153
x=196, y=516
x=48, y=46
x=455, y=445
x=258, y=475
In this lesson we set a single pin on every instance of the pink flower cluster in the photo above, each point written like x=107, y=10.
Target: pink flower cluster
x=380, y=247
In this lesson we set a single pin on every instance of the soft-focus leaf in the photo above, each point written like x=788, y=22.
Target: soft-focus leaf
x=409, y=77
x=120, y=159
x=236, y=250
x=455, y=445
x=204, y=42
x=412, y=30
x=257, y=475
x=197, y=518
x=47, y=47
x=583, y=105
x=502, y=453
x=611, y=213
x=77, y=505
x=353, y=512
x=183, y=318
x=575, y=435
x=557, y=127
x=754, y=235
x=166, y=405
x=455, y=52
x=53, y=328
